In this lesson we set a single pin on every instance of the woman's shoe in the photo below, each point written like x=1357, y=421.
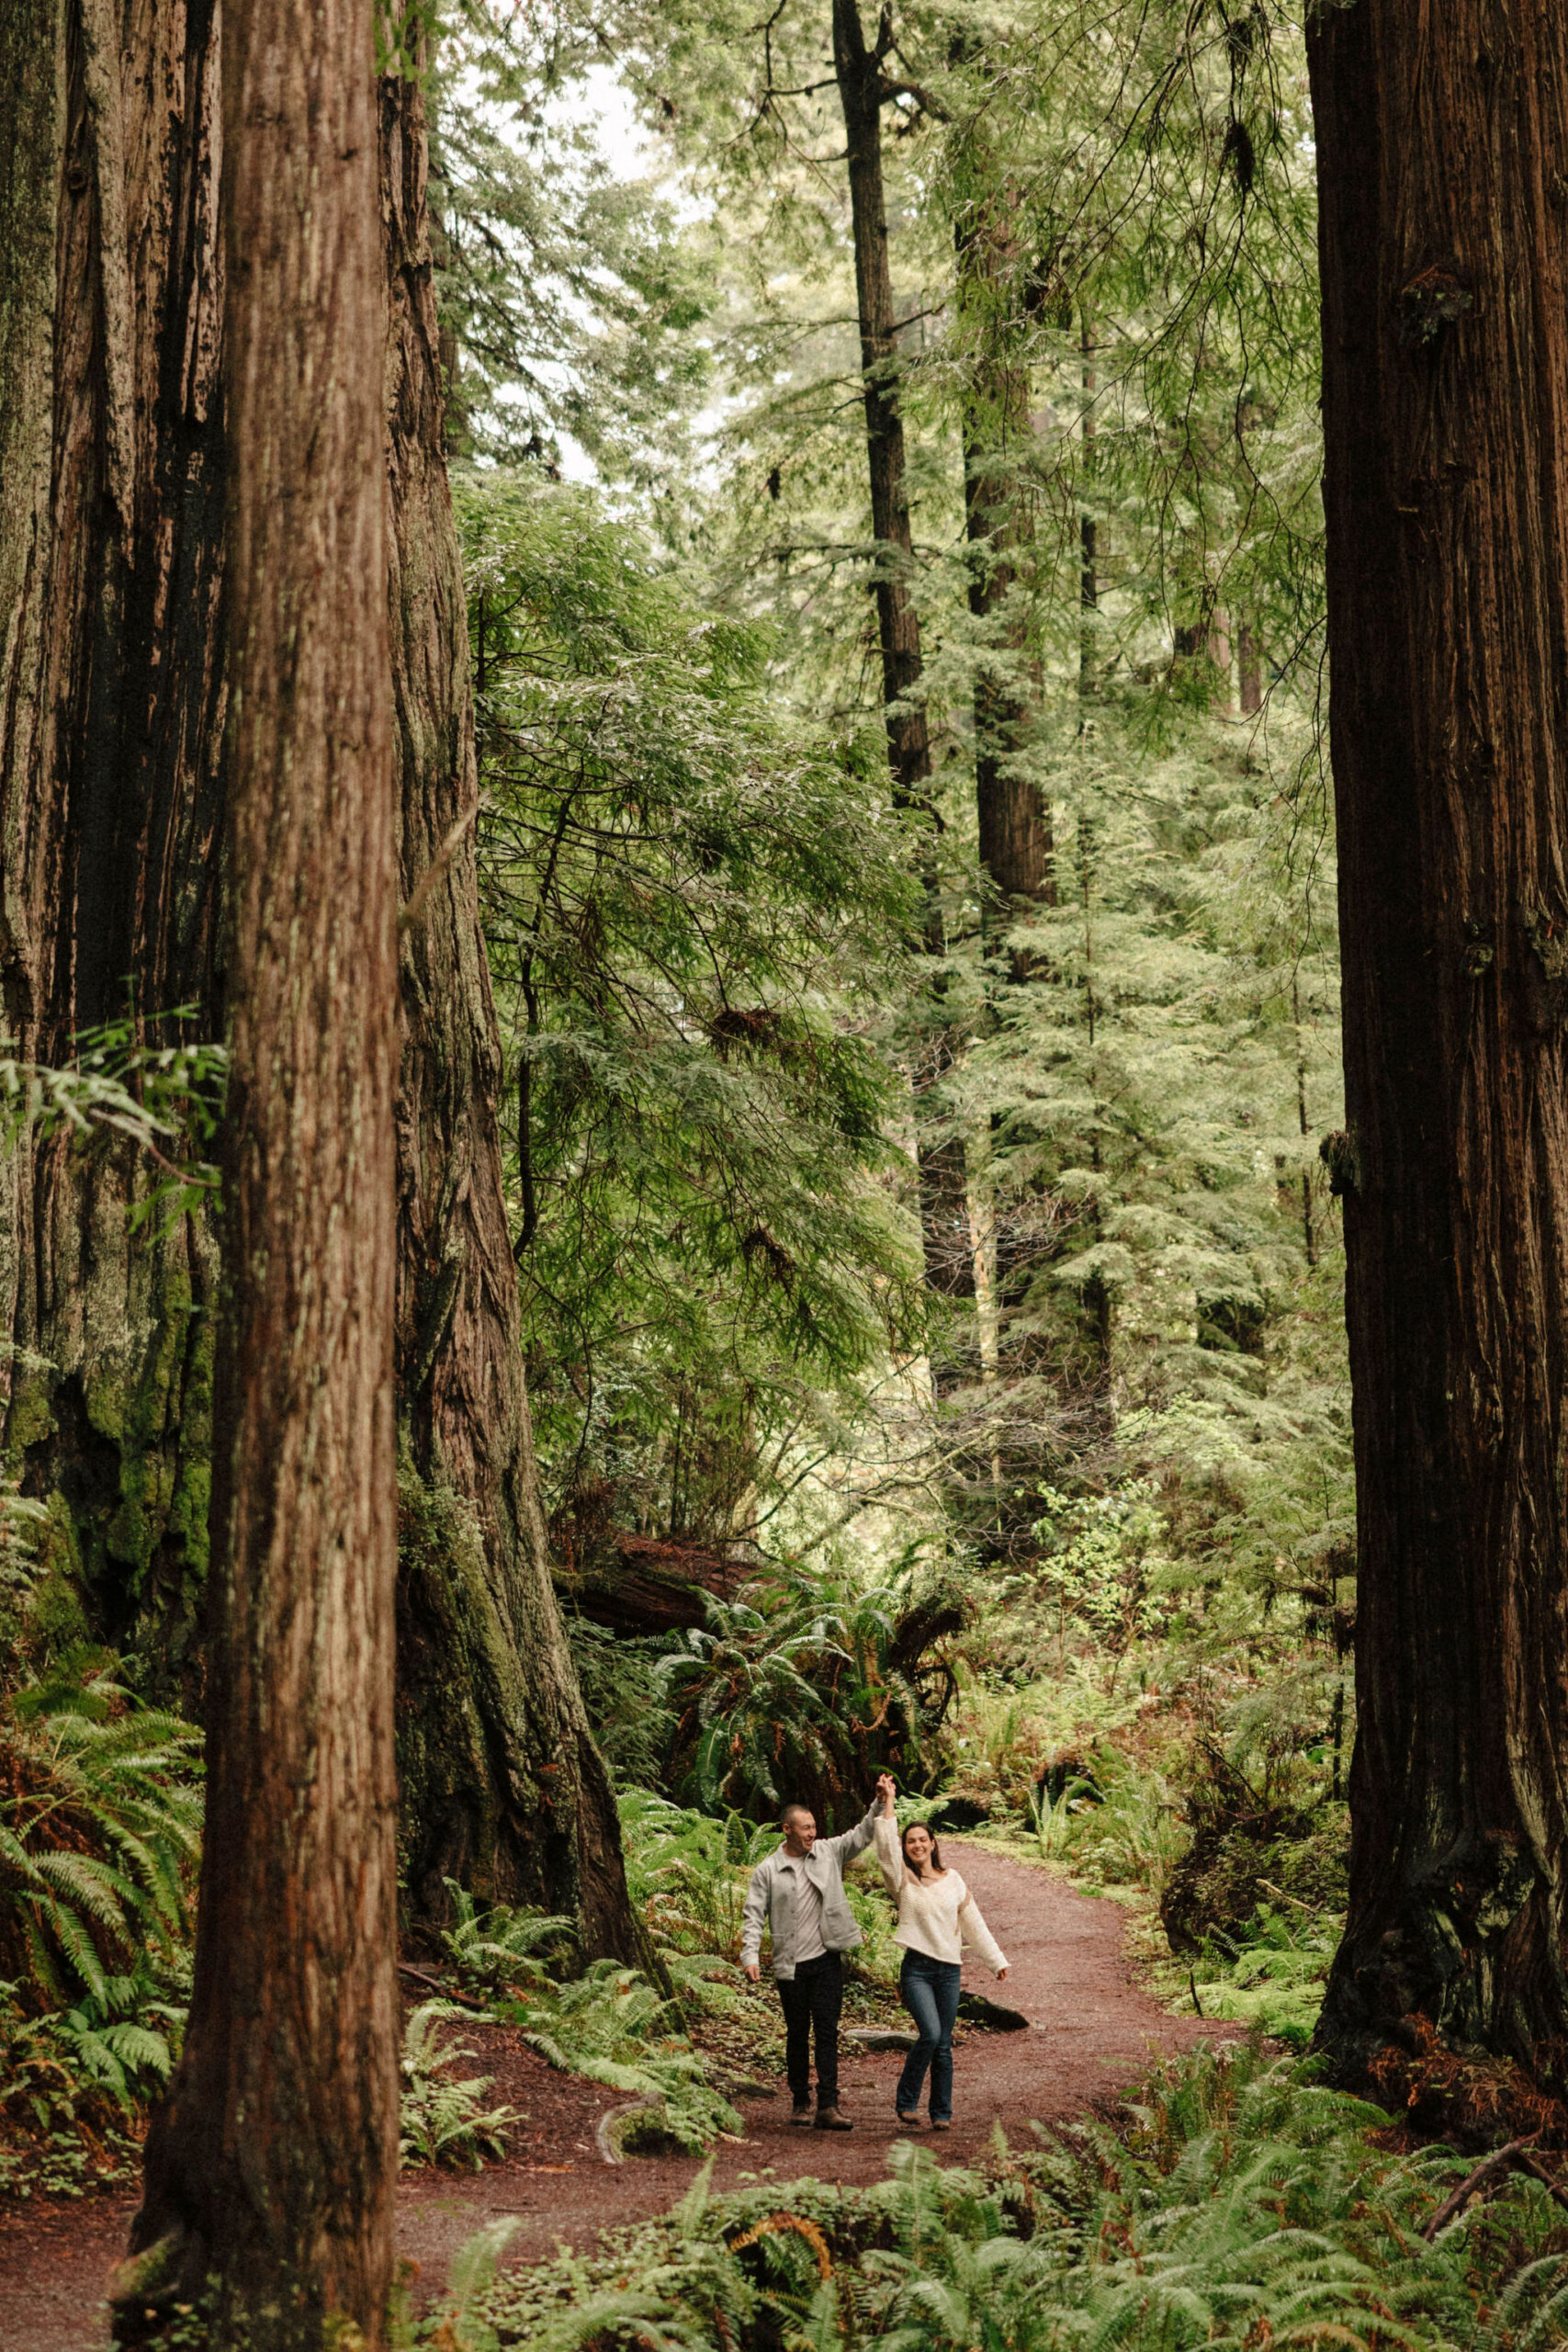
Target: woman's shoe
x=906, y=2122
x=941, y=2123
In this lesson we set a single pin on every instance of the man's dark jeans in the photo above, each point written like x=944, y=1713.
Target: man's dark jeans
x=814, y=1996
x=929, y=1989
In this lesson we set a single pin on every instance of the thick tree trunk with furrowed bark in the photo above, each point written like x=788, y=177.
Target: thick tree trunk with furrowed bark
x=503, y=1788
x=111, y=797
x=111, y=716
x=1442, y=157
x=270, y=2170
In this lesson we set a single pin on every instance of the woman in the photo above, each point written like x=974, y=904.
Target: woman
x=936, y=1912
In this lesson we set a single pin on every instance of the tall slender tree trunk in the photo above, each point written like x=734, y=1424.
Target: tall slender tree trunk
x=1014, y=823
x=1100, y=1305
x=1442, y=153
x=112, y=692
x=944, y=1213
x=503, y=1788
x=270, y=2171
x=860, y=78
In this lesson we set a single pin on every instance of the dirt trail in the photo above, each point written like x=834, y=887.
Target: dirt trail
x=1091, y=2029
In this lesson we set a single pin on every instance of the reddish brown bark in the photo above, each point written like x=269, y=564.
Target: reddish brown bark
x=270, y=2172
x=1442, y=152
x=111, y=724
x=504, y=1787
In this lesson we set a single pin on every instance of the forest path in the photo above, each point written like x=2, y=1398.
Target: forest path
x=1091, y=2029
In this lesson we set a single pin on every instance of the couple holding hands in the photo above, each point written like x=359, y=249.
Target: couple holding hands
x=798, y=1892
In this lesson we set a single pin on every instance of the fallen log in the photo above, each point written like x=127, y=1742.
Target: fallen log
x=643, y=1584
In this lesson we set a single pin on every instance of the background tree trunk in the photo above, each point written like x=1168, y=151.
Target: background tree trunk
x=270, y=2172
x=859, y=72
x=943, y=1193
x=111, y=706
x=1442, y=152
x=503, y=1785
x=1014, y=823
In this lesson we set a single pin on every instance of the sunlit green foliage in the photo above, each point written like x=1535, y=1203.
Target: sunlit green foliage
x=691, y=903
x=567, y=293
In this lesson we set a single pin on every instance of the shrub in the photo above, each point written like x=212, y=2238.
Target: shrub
x=609, y=2025
x=810, y=1692
x=1250, y=1843
x=441, y=2116
x=613, y=2026
x=687, y=1872
x=100, y=1818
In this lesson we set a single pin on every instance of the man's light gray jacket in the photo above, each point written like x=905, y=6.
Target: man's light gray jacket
x=771, y=1897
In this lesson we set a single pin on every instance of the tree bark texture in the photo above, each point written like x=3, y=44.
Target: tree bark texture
x=943, y=1194
x=270, y=2172
x=111, y=715
x=111, y=800
x=860, y=78
x=1442, y=157
x=504, y=1787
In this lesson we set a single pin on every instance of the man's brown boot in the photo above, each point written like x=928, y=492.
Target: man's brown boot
x=802, y=2112
x=829, y=2119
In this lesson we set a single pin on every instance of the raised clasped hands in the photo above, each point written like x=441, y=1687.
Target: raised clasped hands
x=886, y=1790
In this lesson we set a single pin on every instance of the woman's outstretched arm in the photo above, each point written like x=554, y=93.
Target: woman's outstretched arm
x=973, y=1928
x=889, y=1852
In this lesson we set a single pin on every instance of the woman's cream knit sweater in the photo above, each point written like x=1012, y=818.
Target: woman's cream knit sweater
x=935, y=1915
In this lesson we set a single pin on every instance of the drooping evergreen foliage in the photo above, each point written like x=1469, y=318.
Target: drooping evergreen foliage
x=692, y=904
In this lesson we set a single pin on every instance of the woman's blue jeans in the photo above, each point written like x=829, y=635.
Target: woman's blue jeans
x=929, y=1990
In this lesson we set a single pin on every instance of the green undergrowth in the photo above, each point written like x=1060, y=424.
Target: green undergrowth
x=1192, y=1772
x=1235, y=2202
x=610, y=2024
x=99, y=1823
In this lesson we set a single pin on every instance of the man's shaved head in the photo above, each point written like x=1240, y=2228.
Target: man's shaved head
x=797, y=1813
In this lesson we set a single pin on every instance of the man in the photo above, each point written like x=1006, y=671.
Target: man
x=799, y=1894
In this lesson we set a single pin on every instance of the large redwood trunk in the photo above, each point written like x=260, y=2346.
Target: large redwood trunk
x=1442, y=152
x=111, y=705
x=270, y=2171
x=111, y=799
x=503, y=1785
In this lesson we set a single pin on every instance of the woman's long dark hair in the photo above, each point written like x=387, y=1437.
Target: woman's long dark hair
x=931, y=1833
